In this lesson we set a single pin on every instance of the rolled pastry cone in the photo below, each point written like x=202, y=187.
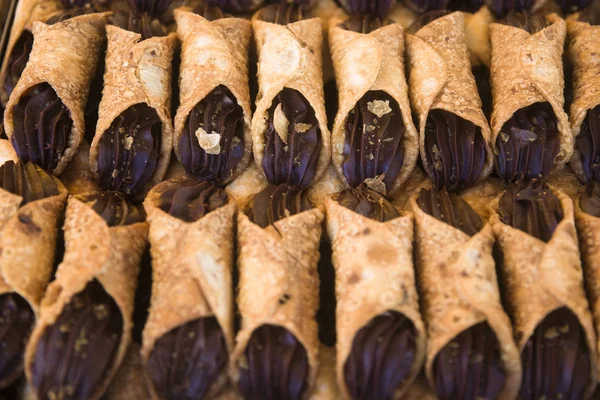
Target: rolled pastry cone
x=369, y=62
x=129, y=383
x=289, y=56
x=441, y=78
x=77, y=177
x=582, y=45
x=382, y=252
x=457, y=278
x=285, y=255
x=477, y=33
x=93, y=251
x=72, y=45
x=541, y=277
x=528, y=69
x=191, y=269
x=27, y=12
x=213, y=53
x=137, y=72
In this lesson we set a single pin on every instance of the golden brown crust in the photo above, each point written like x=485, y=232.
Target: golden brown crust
x=365, y=62
x=527, y=69
x=541, y=277
x=441, y=78
x=457, y=278
x=374, y=273
x=289, y=57
x=582, y=51
x=129, y=383
x=191, y=269
x=72, y=45
x=137, y=71
x=276, y=261
x=213, y=53
x=111, y=255
x=77, y=177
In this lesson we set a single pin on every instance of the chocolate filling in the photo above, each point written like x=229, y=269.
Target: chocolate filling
x=292, y=140
x=503, y=7
x=531, y=23
x=16, y=322
x=591, y=14
x=364, y=24
x=139, y=22
x=16, y=63
x=190, y=201
x=367, y=203
x=128, y=150
x=151, y=7
x=42, y=125
x=528, y=144
x=455, y=150
x=382, y=357
x=422, y=6
x=277, y=368
x=28, y=181
x=377, y=9
x=531, y=207
x=277, y=202
x=470, y=367
x=373, y=140
x=571, y=6
x=451, y=209
x=465, y=5
x=556, y=360
x=425, y=19
x=212, y=143
x=283, y=13
x=588, y=144
x=115, y=209
x=97, y=4
x=74, y=354
x=210, y=12
x=187, y=360
x=234, y=6
x=589, y=200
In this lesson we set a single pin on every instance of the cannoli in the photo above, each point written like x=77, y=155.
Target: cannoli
x=373, y=137
x=189, y=333
x=212, y=125
x=129, y=383
x=375, y=9
x=85, y=318
x=531, y=136
x=541, y=274
x=381, y=337
x=20, y=41
x=276, y=353
x=583, y=32
x=133, y=141
x=454, y=134
x=501, y=8
x=470, y=353
x=32, y=204
x=44, y=117
x=290, y=137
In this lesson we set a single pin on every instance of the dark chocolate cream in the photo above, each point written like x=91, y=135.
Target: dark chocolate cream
x=531, y=23
x=366, y=23
x=210, y=12
x=190, y=201
x=187, y=360
x=277, y=202
x=589, y=200
x=528, y=144
x=470, y=367
x=588, y=144
x=139, y=22
x=377, y=9
x=368, y=203
x=16, y=322
x=114, y=208
x=28, y=181
x=455, y=150
x=465, y=5
x=571, y=6
x=531, y=207
x=74, y=354
x=151, y=7
x=503, y=7
x=556, y=359
x=292, y=140
x=235, y=6
x=373, y=140
x=16, y=63
x=212, y=143
x=129, y=149
x=42, y=125
x=591, y=14
x=451, y=209
x=423, y=6
x=283, y=13
x=277, y=366
x=382, y=357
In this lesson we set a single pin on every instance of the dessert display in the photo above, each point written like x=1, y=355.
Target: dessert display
x=303, y=200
